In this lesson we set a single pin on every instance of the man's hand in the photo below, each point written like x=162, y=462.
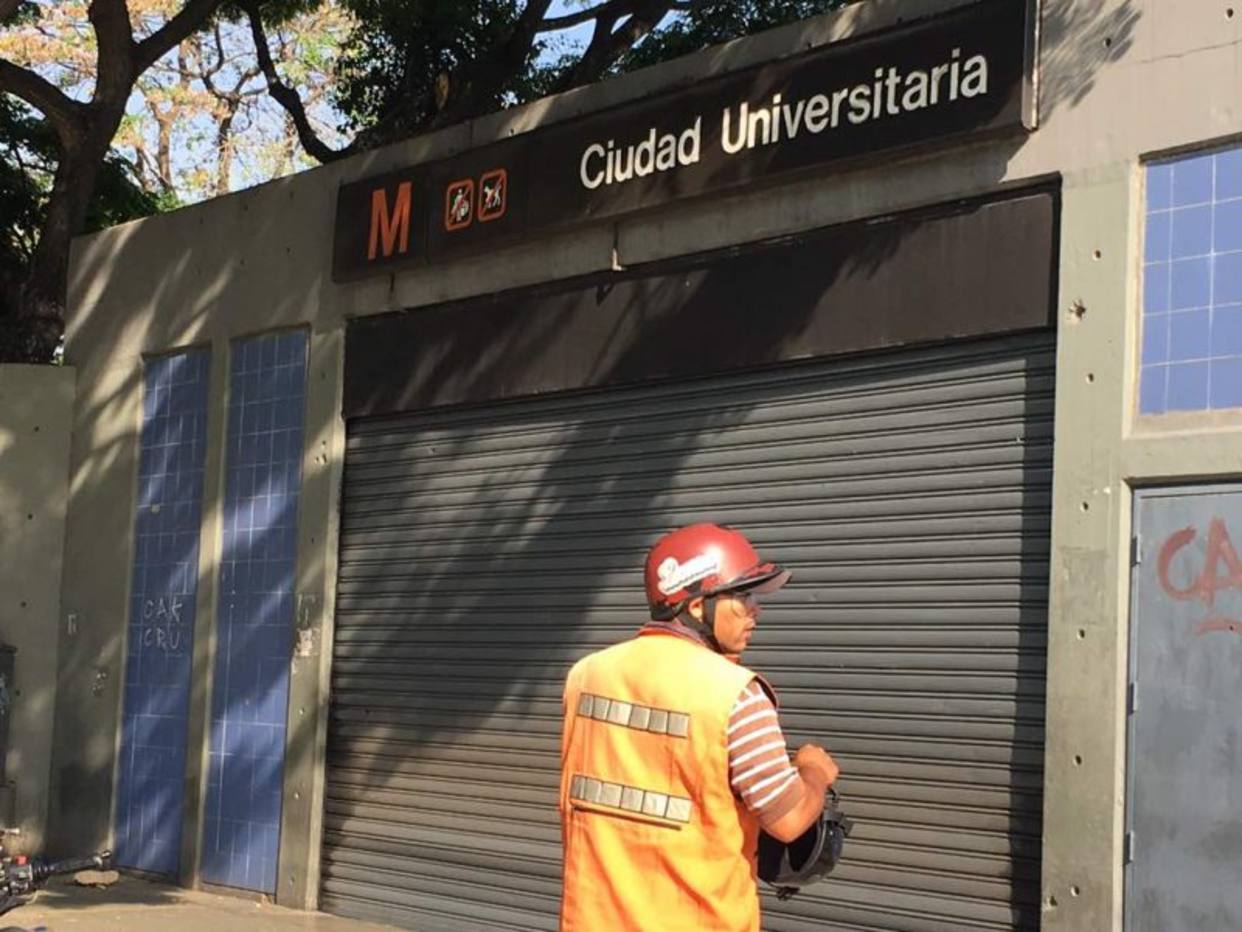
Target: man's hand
x=813, y=757
x=818, y=771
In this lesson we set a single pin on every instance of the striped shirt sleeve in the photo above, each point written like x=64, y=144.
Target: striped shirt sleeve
x=759, y=767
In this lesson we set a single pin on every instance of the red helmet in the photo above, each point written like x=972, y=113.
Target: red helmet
x=704, y=560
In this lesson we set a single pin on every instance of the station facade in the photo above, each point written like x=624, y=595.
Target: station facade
x=940, y=302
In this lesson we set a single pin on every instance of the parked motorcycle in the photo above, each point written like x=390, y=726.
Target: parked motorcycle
x=21, y=876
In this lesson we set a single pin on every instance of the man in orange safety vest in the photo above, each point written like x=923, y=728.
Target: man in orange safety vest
x=672, y=754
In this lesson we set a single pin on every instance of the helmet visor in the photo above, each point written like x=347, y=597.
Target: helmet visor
x=764, y=578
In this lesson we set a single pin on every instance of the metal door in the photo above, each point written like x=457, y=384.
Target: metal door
x=1184, y=763
x=485, y=549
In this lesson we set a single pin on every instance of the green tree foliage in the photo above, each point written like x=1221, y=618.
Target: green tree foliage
x=400, y=49
x=413, y=65
x=716, y=21
x=20, y=191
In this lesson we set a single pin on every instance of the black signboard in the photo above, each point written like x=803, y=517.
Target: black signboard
x=958, y=75
x=946, y=272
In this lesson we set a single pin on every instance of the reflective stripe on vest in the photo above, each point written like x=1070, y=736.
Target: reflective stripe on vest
x=630, y=799
x=641, y=717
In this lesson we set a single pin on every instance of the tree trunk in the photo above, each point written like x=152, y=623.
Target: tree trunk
x=35, y=309
x=32, y=310
x=289, y=146
x=224, y=148
x=163, y=151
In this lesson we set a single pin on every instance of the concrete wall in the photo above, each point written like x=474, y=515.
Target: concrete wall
x=1119, y=80
x=36, y=404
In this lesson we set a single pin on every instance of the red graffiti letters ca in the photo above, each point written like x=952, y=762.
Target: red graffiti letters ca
x=1221, y=570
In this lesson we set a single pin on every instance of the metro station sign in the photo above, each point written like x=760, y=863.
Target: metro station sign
x=966, y=74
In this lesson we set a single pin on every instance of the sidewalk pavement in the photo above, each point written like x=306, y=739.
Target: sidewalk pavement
x=132, y=905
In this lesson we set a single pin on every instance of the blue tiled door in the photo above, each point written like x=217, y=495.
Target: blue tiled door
x=160, y=633
x=241, y=833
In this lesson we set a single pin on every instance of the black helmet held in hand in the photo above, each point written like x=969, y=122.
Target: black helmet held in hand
x=787, y=868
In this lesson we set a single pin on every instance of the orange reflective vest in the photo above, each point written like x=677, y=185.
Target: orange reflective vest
x=654, y=838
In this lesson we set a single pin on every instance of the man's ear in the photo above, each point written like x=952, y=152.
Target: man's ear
x=695, y=608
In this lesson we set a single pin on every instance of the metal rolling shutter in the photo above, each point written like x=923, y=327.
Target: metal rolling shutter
x=485, y=549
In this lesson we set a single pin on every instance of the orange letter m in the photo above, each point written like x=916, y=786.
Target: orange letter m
x=389, y=224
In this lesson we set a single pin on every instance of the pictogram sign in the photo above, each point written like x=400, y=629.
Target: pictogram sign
x=493, y=195
x=459, y=204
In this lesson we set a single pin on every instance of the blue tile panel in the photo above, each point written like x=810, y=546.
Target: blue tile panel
x=1191, y=357
x=255, y=626
x=160, y=632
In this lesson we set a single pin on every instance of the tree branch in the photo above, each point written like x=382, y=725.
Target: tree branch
x=607, y=44
x=594, y=51
x=207, y=72
x=221, y=56
x=191, y=17
x=244, y=78
x=481, y=85
x=63, y=112
x=556, y=23
x=285, y=95
x=114, y=58
x=143, y=170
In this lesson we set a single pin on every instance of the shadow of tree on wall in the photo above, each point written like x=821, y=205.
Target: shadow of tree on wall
x=35, y=403
x=1079, y=40
x=105, y=460
x=459, y=614
x=454, y=642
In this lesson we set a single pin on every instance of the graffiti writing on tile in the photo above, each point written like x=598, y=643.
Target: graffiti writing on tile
x=1185, y=579
x=162, y=625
